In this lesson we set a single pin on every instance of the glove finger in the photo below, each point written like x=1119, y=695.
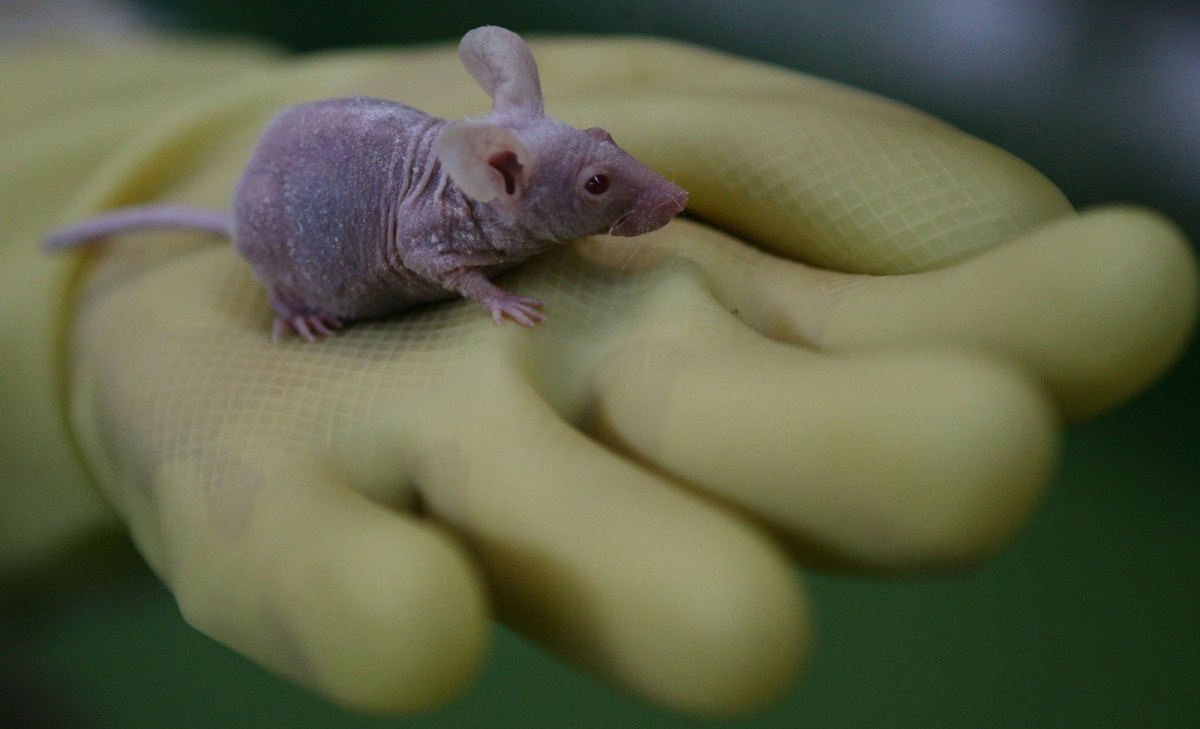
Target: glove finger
x=1098, y=306
x=614, y=568
x=277, y=559
x=844, y=188
x=897, y=461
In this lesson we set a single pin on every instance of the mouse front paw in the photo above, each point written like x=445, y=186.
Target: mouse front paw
x=523, y=310
x=473, y=284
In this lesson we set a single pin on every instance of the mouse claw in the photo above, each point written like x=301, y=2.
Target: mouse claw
x=309, y=326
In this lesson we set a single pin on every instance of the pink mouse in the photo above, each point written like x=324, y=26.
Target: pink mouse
x=356, y=208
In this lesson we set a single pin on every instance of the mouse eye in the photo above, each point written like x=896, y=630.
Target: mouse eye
x=596, y=184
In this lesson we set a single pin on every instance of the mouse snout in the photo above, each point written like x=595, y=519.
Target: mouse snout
x=677, y=198
x=652, y=209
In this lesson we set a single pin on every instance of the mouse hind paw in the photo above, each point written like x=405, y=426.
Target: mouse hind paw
x=310, y=326
x=292, y=315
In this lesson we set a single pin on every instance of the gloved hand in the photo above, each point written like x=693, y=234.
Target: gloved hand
x=629, y=483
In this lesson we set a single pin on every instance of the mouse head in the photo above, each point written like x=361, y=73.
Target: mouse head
x=541, y=174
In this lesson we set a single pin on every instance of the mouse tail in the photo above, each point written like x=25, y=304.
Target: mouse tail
x=140, y=217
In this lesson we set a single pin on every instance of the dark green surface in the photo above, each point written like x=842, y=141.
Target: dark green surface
x=1091, y=619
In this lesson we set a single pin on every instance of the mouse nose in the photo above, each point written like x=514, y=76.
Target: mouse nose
x=652, y=209
x=663, y=203
x=679, y=198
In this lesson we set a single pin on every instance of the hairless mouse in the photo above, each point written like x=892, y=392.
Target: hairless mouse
x=356, y=208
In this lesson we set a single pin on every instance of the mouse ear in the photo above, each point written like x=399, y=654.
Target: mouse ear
x=503, y=65
x=485, y=160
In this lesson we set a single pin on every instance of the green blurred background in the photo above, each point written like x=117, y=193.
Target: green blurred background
x=1089, y=620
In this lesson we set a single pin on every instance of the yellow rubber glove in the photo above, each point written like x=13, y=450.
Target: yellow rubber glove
x=629, y=483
